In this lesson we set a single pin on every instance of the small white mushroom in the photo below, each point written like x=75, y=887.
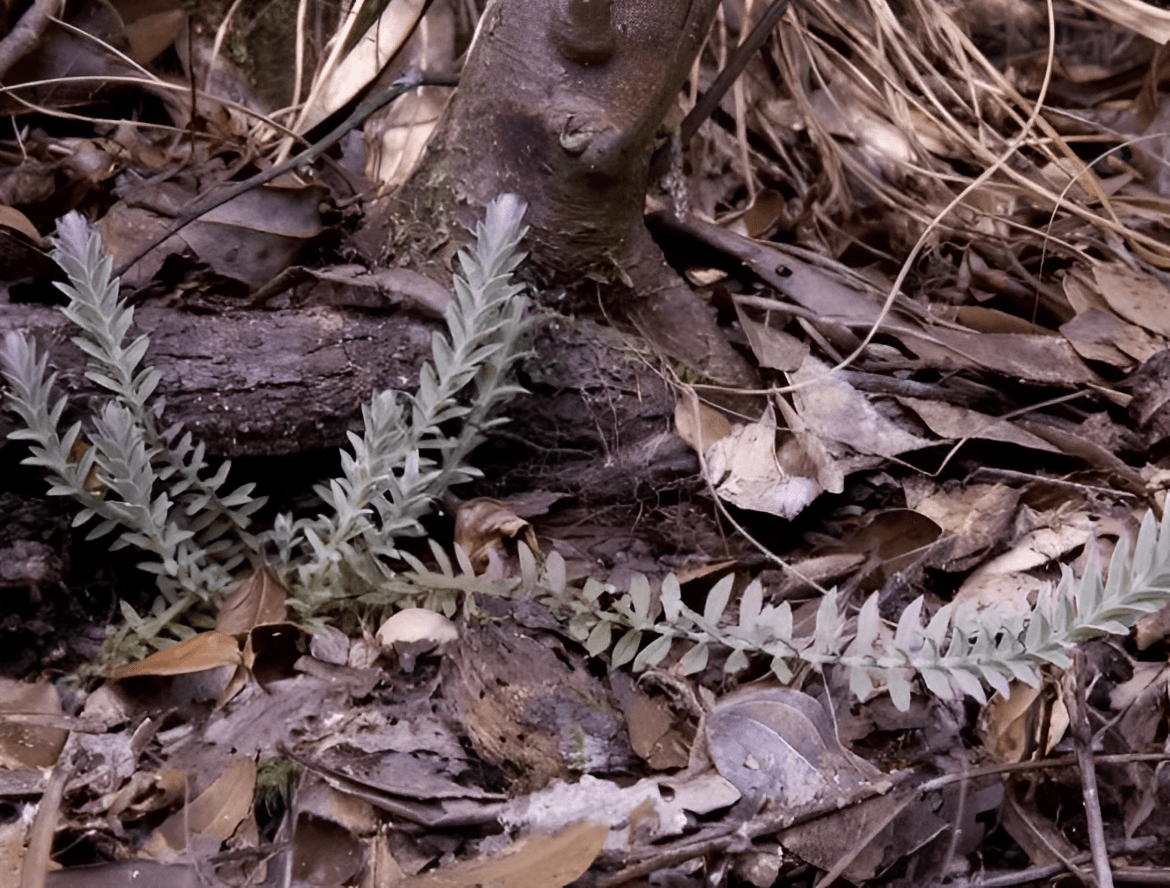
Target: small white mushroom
x=416, y=631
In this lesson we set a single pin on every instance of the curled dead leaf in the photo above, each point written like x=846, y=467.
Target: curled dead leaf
x=481, y=527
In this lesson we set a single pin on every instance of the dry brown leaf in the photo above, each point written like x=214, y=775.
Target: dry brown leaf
x=1041, y=840
x=481, y=526
x=146, y=792
x=1136, y=296
x=13, y=835
x=208, y=650
x=761, y=217
x=979, y=516
x=405, y=132
x=659, y=736
x=779, y=744
x=535, y=861
x=10, y=217
x=1099, y=335
x=326, y=854
x=1152, y=628
x=895, y=539
x=150, y=35
x=696, y=423
x=1004, y=583
x=1035, y=358
x=696, y=571
x=24, y=745
x=772, y=347
x=1092, y=453
x=746, y=471
x=1143, y=18
x=836, y=411
x=340, y=82
x=215, y=814
x=1011, y=728
x=952, y=422
x=990, y=320
x=379, y=288
x=255, y=236
x=257, y=601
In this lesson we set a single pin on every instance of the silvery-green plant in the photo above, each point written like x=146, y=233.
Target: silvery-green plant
x=162, y=494
x=957, y=651
x=405, y=460
x=157, y=488
x=155, y=485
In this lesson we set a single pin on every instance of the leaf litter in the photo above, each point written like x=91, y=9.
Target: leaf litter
x=1007, y=419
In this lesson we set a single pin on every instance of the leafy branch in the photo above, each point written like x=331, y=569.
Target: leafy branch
x=154, y=484
x=957, y=651
x=406, y=458
x=158, y=488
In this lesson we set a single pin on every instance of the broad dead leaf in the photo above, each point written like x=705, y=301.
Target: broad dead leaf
x=150, y=35
x=379, y=288
x=481, y=527
x=1013, y=727
x=1138, y=297
x=836, y=411
x=835, y=840
x=208, y=650
x=1049, y=359
x=779, y=744
x=405, y=131
x=761, y=217
x=215, y=814
x=257, y=601
x=13, y=836
x=772, y=347
x=1004, y=582
x=535, y=861
x=745, y=470
x=1135, y=15
x=255, y=236
x=952, y=422
x=363, y=62
x=657, y=734
x=1100, y=335
x=10, y=217
x=696, y=423
x=24, y=744
x=979, y=516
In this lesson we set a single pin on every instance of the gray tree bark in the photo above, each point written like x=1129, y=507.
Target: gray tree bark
x=560, y=102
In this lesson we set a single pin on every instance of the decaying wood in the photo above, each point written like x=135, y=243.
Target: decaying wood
x=251, y=383
x=272, y=383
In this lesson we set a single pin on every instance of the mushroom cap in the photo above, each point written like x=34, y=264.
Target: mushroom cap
x=415, y=626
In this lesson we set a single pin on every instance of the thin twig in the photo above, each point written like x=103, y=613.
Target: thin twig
x=1020, y=877
x=1082, y=736
x=44, y=828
